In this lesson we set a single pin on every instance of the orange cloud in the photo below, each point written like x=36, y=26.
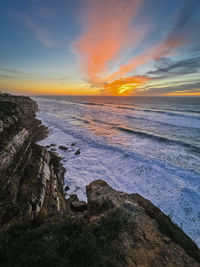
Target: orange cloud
x=133, y=63
x=107, y=32
x=184, y=93
x=152, y=53
x=123, y=86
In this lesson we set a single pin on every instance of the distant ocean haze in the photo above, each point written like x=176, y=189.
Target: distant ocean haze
x=145, y=145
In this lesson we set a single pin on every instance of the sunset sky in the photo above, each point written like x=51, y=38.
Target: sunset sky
x=100, y=47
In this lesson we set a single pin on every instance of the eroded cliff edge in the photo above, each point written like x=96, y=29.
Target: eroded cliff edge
x=39, y=227
x=31, y=177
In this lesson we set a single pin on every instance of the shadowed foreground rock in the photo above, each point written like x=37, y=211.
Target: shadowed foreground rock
x=146, y=236
x=39, y=227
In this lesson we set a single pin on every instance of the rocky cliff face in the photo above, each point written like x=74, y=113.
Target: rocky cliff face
x=39, y=227
x=31, y=177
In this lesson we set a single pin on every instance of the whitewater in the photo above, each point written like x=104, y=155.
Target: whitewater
x=149, y=146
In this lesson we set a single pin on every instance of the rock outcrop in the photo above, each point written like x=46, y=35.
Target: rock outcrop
x=31, y=178
x=146, y=236
x=39, y=227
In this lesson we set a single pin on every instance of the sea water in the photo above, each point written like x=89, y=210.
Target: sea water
x=145, y=145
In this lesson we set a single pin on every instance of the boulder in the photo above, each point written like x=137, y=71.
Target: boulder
x=63, y=148
x=73, y=144
x=67, y=188
x=72, y=198
x=78, y=152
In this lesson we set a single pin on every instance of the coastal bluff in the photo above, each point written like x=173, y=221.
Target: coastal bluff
x=39, y=226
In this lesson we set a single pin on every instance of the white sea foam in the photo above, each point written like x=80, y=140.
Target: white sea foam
x=163, y=165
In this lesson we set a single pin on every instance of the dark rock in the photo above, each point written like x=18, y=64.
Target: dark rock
x=123, y=235
x=53, y=149
x=72, y=198
x=163, y=241
x=48, y=146
x=78, y=152
x=73, y=144
x=63, y=148
x=52, y=144
x=67, y=188
x=31, y=178
x=78, y=206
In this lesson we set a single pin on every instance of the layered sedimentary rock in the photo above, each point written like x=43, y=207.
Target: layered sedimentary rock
x=30, y=177
x=39, y=227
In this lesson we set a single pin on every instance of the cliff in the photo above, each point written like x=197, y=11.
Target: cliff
x=31, y=177
x=39, y=227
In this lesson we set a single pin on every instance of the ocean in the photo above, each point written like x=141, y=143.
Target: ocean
x=145, y=145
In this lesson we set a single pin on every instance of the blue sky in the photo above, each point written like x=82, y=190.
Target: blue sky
x=100, y=47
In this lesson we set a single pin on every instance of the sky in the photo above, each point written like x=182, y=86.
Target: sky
x=100, y=47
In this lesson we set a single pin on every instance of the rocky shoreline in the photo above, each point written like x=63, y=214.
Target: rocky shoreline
x=40, y=227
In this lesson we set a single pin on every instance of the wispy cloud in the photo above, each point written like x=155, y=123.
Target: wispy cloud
x=12, y=71
x=43, y=36
x=43, y=12
x=166, y=88
x=4, y=76
x=107, y=31
x=21, y=74
x=182, y=67
x=15, y=74
x=185, y=25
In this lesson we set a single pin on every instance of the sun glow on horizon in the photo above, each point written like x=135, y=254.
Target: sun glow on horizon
x=124, y=86
x=183, y=93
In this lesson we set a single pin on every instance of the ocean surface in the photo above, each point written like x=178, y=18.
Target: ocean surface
x=145, y=145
